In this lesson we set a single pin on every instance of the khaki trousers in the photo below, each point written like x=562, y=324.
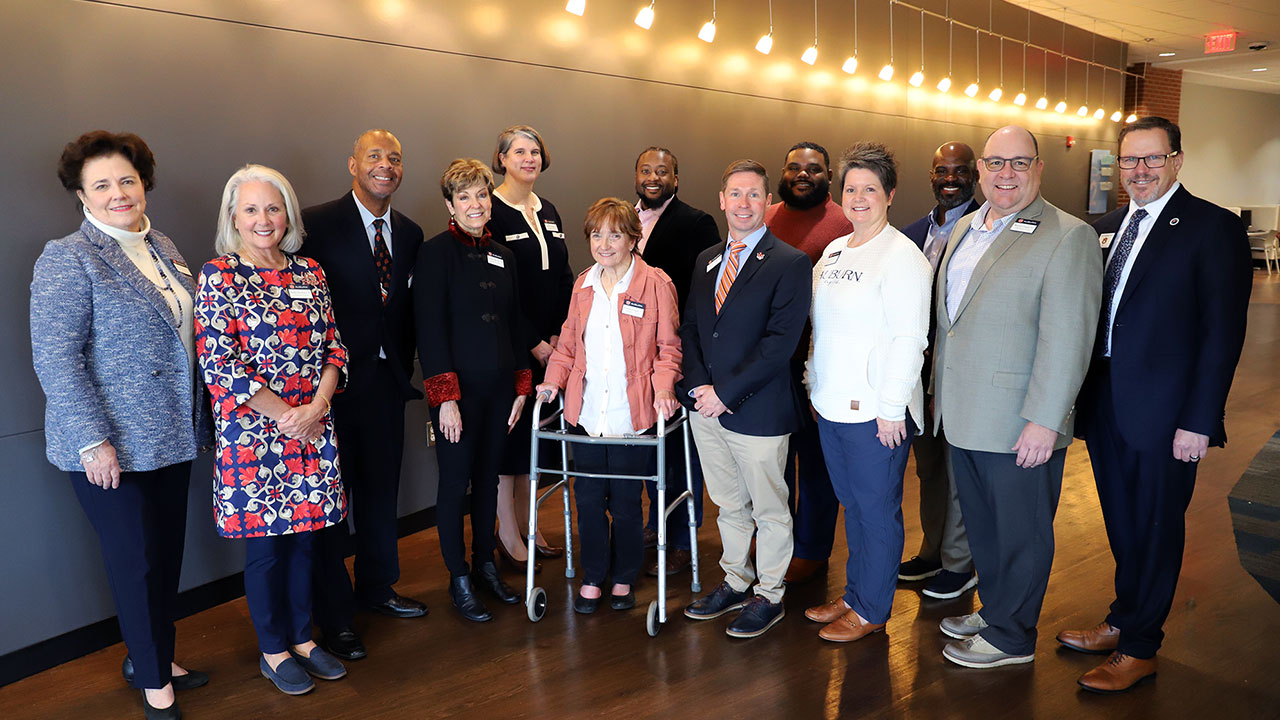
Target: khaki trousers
x=743, y=475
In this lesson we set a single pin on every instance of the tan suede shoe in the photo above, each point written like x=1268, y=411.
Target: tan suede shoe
x=829, y=611
x=1096, y=640
x=848, y=628
x=1119, y=673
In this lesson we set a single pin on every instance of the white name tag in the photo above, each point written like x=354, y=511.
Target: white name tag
x=301, y=293
x=495, y=259
x=559, y=235
x=518, y=236
x=182, y=268
x=1025, y=226
x=550, y=225
x=633, y=308
x=1105, y=240
x=714, y=262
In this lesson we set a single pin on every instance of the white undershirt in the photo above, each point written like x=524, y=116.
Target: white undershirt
x=605, y=408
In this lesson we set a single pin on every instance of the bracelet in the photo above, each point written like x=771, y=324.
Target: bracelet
x=327, y=405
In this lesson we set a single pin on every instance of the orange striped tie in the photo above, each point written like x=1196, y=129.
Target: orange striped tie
x=730, y=273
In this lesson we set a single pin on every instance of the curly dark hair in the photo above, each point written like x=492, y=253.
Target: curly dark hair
x=100, y=143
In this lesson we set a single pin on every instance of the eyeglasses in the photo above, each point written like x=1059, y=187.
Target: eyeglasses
x=1019, y=164
x=1129, y=162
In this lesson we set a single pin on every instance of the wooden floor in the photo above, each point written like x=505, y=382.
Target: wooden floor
x=1221, y=657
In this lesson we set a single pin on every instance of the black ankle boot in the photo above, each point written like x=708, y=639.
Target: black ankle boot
x=465, y=600
x=486, y=576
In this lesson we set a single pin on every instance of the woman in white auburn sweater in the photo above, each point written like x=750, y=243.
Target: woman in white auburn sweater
x=870, y=327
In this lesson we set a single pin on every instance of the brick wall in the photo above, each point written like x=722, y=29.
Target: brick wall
x=1158, y=93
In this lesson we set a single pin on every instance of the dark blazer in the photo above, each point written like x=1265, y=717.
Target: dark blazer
x=1179, y=326
x=680, y=235
x=337, y=240
x=918, y=233
x=745, y=350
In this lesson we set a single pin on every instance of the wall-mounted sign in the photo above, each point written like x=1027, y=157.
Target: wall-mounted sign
x=1220, y=42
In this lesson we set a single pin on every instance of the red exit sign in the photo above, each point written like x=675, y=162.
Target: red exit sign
x=1220, y=42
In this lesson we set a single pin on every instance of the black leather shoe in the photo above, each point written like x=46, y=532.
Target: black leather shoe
x=486, y=576
x=344, y=643
x=193, y=679
x=399, y=606
x=173, y=712
x=623, y=602
x=585, y=605
x=465, y=600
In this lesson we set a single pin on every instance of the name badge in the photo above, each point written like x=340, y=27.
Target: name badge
x=496, y=259
x=633, y=308
x=1105, y=239
x=518, y=236
x=182, y=268
x=298, y=292
x=1023, y=225
x=558, y=235
x=714, y=262
x=550, y=225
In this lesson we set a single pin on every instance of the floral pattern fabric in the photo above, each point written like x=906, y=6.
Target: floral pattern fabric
x=268, y=328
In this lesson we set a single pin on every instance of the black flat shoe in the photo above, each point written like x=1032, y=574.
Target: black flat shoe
x=486, y=576
x=344, y=643
x=465, y=600
x=583, y=605
x=173, y=712
x=511, y=562
x=192, y=680
x=623, y=602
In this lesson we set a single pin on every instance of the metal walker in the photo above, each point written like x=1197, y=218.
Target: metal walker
x=535, y=598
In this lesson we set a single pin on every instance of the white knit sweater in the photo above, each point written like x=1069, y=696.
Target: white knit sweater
x=870, y=327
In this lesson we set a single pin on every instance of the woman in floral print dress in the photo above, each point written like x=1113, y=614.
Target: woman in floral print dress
x=271, y=357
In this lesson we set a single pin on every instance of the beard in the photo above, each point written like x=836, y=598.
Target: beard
x=947, y=203
x=648, y=204
x=820, y=193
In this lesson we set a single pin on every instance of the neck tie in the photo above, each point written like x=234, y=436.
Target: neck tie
x=730, y=273
x=1112, y=281
x=382, y=258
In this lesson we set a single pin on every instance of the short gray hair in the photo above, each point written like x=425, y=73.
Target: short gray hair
x=228, y=239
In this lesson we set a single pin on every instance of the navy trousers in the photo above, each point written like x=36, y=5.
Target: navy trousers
x=1008, y=512
x=867, y=478
x=610, y=549
x=141, y=528
x=368, y=419
x=678, y=521
x=1144, y=496
x=813, y=503
x=277, y=586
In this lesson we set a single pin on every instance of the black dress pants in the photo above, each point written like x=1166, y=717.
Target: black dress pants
x=475, y=458
x=368, y=417
x=141, y=529
x=1144, y=496
x=603, y=557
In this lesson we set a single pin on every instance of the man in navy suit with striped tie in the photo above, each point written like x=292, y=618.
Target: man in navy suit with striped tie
x=747, y=305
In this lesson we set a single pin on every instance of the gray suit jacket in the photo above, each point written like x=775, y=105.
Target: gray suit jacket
x=106, y=349
x=1023, y=333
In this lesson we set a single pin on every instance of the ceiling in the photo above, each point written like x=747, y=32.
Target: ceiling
x=1179, y=26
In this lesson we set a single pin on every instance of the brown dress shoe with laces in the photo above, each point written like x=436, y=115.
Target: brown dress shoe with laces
x=848, y=627
x=1119, y=673
x=829, y=611
x=1098, y=640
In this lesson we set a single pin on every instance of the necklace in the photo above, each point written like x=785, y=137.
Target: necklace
x=168, y=286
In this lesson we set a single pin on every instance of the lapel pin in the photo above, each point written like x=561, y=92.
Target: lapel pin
x=759, y=256
x=1105, y=240
x=1173, y=221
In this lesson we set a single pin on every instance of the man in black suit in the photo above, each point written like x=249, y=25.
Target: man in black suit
x=673, y=234
x=944, y=557
x=748, y=300
x=1171, y=329
x=367, y=251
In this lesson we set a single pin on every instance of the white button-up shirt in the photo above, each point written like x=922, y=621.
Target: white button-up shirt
x=605, y=408
x=1153, y=208
x=973, y=245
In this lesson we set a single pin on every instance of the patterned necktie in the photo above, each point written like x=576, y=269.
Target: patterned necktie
x=1114, y=269
x=382, y=258
x=730, y=273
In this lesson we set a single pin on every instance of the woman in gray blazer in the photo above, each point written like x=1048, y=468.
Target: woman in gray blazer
x=113, y=345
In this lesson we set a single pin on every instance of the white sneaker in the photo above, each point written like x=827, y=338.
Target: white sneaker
x=978, y=653
x=962, y=627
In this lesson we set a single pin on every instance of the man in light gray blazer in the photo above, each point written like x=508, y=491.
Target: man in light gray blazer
x=1018, y=295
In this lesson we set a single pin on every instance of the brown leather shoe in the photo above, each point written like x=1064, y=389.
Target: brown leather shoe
x=678, y=560
x=510, y=562
x=650, y=538
x=1119, y=673
x=827, y=612
x=1098, y=640
x=803, y=569
x=848, y=628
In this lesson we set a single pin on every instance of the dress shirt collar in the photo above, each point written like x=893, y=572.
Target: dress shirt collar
x=655, y=213
x=592, y=279
x=949, y=217
x=368, y=217
x=751, y=240
x=979, y=222
x=1155, y=207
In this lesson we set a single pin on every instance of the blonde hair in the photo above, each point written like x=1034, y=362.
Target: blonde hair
x=228, y=239
x=462, y=174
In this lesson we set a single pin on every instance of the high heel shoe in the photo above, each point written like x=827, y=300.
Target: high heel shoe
x=513, y=564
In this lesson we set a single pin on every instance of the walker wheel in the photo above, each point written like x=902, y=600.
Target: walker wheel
x=651, y=623
x=537, y=604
